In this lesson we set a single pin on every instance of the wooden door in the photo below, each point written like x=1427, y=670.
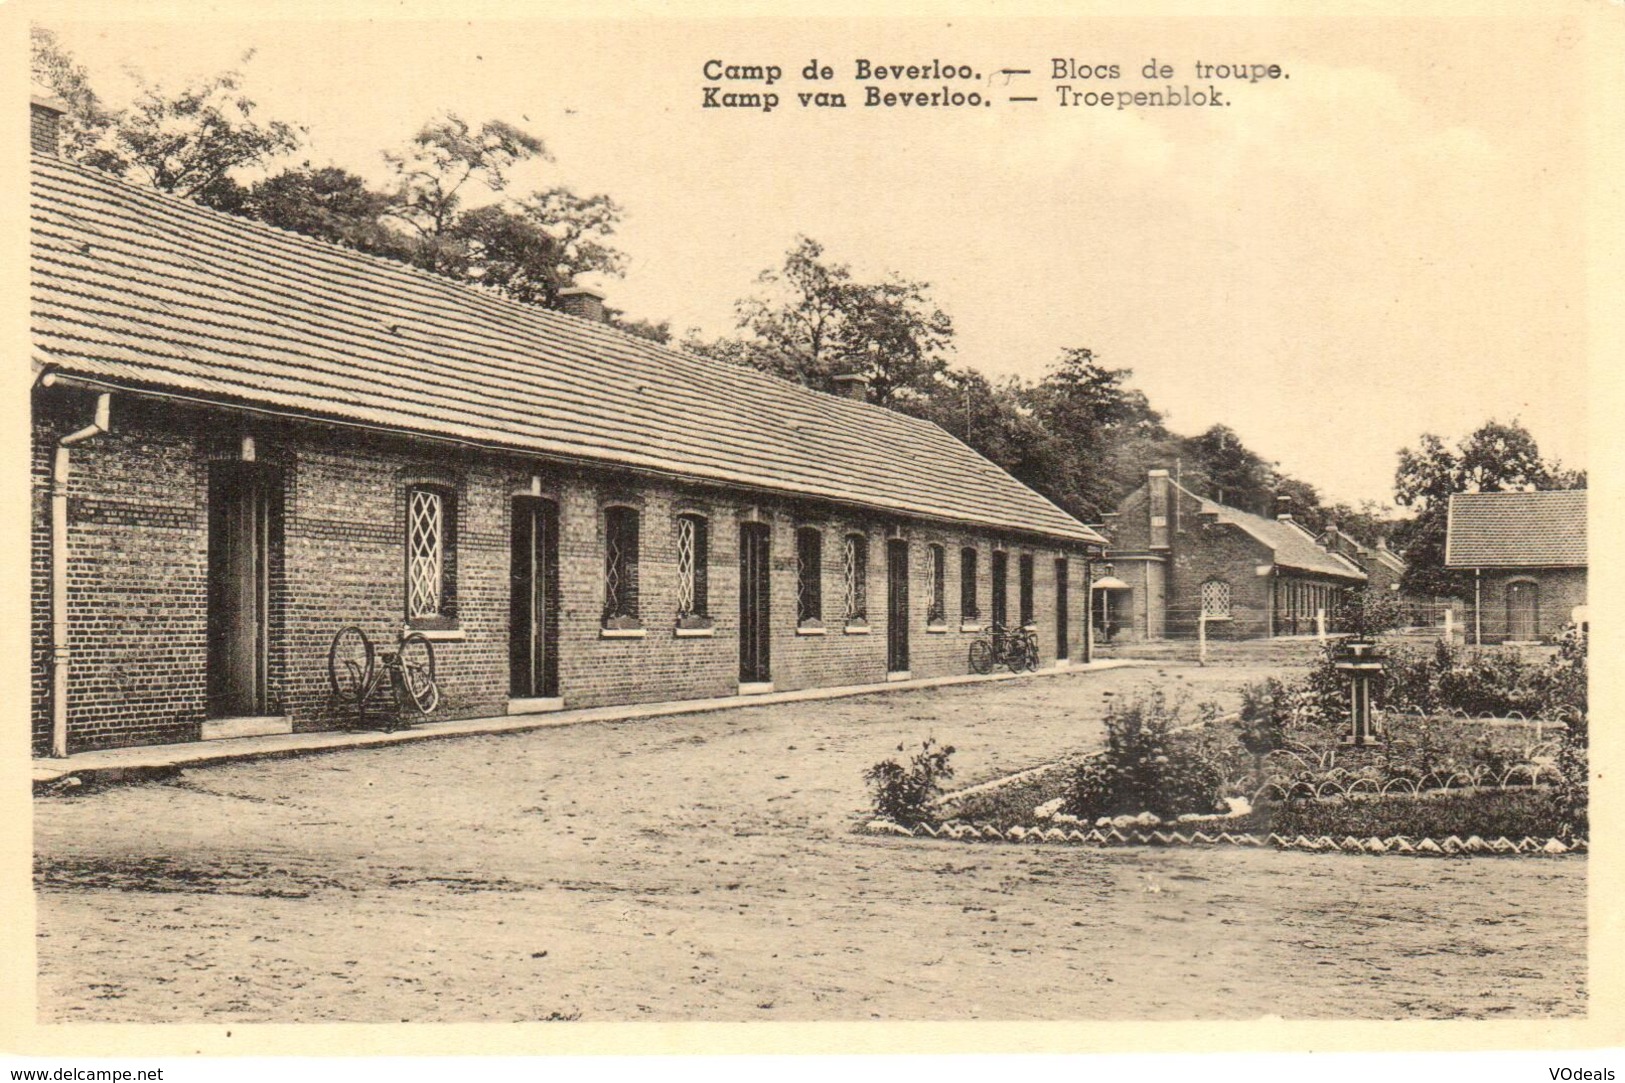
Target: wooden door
x=239, y=590
x=1000, y=571
x=1063, y=645
x=533, y=600
x=1523, y=611
x=896, y=606
x=755, y=611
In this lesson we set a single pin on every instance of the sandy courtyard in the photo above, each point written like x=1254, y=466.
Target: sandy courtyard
x=702, y=867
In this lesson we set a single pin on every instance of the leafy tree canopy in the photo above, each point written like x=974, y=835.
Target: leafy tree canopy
x=815, y=321
x=1496, y=457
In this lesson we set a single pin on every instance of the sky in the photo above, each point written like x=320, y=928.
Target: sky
x=1385, y=243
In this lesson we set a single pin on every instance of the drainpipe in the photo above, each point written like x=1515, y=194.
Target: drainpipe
x=59, y=568
x=1088, y=608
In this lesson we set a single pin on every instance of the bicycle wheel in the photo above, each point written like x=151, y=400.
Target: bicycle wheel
x=417, y=673
x=349, y=665
x=981, y=657
x=1030, y=654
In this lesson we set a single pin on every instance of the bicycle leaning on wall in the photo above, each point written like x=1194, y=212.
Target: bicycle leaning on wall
x=1013, y=647
x=357, y=674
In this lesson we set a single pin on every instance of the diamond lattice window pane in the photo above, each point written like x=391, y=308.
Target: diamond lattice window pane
x=1215, y=598
x=425, y=534
x=685, y=566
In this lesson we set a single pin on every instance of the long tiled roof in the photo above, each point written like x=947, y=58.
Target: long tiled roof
x=1516, y=530
x=1294, y=547
x=133, y=288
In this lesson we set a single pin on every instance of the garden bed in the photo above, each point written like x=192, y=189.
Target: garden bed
x=1282, y=769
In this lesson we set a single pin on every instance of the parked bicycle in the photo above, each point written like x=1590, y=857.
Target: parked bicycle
x=1013, y=647
x=357, y=674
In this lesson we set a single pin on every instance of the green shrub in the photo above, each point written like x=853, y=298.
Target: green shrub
x=1572, y=795
x=1146, y=767
x=1489, y=814
x=1442, y=679
x=905, y=795
x=1269, y=710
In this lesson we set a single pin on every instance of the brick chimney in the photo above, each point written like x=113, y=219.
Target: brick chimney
x=584, y=303
x=853, y=385
x=45, y=125
x=1283, y=508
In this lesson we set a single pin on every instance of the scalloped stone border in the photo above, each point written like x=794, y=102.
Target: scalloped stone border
x=1397, y=844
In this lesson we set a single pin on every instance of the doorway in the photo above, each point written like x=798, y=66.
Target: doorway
x=1063, y=605
x=1000, y=572
x=755, y=622
x=1523, y=611
x=897, y=606
x=533, y=600
x=239, y=590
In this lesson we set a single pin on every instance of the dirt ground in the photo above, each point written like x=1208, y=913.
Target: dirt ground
x=703, y=868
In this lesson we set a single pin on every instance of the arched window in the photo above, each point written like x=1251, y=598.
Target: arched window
x=936, y=610
x=809, y=576
x=693, y=555
x=621, y=564
x=968, y=609
x=855, y=566
x=1216, y=599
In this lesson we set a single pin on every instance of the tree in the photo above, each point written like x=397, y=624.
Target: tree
x=1496, y=457
x=191, y=141
x=581, y=226
x=1090, y=410
x=815, y=321
x=329, y=203
x=508, y=252
x=1237, y=475
x=432, y=172
x=85, y=124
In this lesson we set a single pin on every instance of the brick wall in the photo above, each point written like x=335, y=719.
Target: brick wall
x=1228, y=553
x=138, y=520
x=1558, y=592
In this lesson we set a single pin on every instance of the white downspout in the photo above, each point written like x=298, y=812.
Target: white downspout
x=60, y=473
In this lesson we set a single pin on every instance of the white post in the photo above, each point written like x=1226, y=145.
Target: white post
x=1320, y=624
x=1201, y=638
x=1450, y=626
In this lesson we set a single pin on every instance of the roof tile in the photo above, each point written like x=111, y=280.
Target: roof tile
x=1516, y=530
x=135, y=288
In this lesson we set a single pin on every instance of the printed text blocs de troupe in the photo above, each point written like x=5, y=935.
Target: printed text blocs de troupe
x=951, y=79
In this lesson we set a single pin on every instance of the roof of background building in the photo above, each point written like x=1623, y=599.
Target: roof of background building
x=136, y=289
x=1516, y=530
x=1379, y=554
x=1293, y=545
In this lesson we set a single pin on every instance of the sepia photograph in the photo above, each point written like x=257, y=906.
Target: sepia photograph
x=871, y=517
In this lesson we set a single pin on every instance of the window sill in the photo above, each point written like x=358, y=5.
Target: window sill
x=695, y=633
x=970, y=626
x=856, y=630
x=1210, y=620
x=936, y=629
x=438, y=635
x=810, y=630
x=622, y=633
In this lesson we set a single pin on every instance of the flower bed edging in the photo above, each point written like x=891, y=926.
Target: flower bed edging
x=1397, y=844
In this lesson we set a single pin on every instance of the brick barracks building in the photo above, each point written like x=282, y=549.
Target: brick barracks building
x=1177, y=557
x=245, y=440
